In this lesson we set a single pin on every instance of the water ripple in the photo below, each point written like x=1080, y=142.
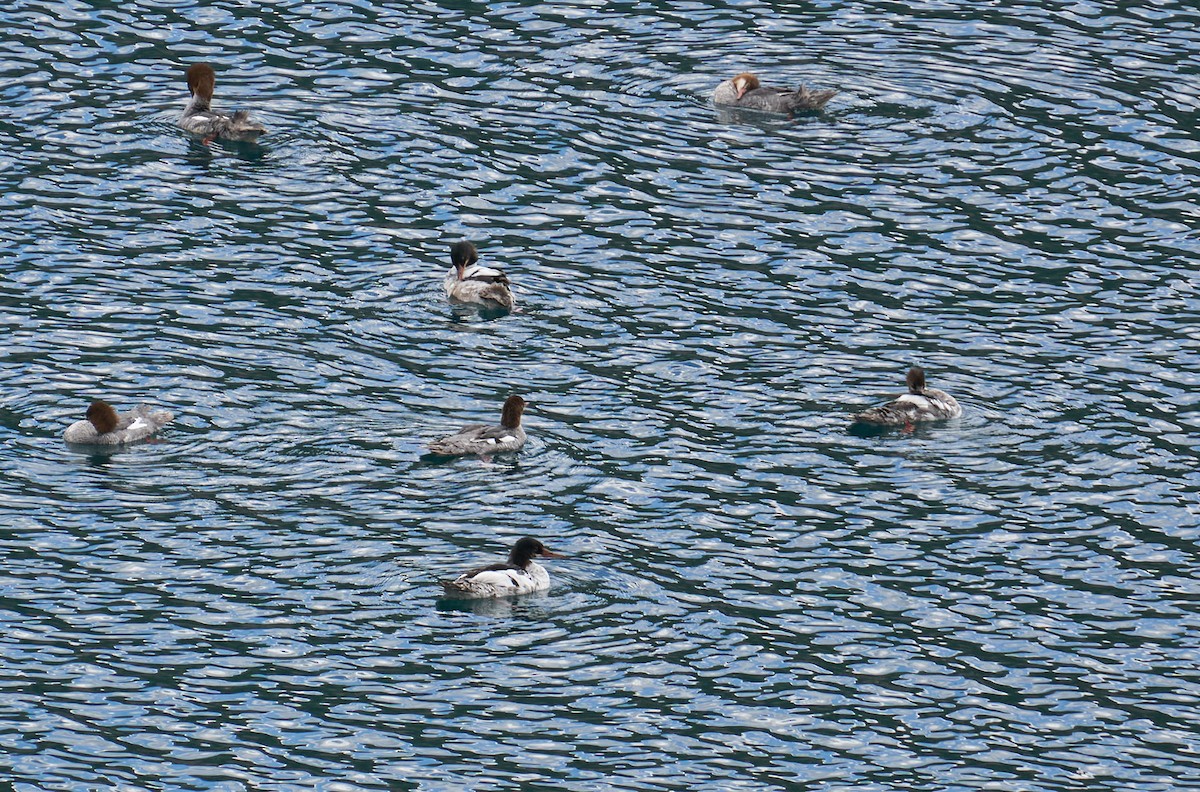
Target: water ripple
x=755, y=598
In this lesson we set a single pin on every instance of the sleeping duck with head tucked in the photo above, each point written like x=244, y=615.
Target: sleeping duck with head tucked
x=746, y=92
x=104, y=426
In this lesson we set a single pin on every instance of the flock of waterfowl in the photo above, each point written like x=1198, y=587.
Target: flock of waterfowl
x=468, y=282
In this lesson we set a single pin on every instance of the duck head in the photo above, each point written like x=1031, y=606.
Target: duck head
x=510, y=416
x=744, y=82
x=525, y=550
x=201, y=79
x=463, y=255
x=916, y=380
x=102, y=416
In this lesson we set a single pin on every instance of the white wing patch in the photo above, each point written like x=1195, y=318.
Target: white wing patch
x=477, y=271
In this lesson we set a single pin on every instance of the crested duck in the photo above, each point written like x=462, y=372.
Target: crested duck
x=921, y=403
x=200, y=119
x=745, y=91
x=480, y=439
x=519, y=575
x=468, y=282
x=104, y=426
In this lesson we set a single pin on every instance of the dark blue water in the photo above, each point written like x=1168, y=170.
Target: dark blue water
x=756, y=598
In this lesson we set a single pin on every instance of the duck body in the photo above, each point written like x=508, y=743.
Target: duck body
x=104, y=426
x=520, y=574
x=921, y=403
x=466, y=281
x=481, y=439
x=745, y=91
x=199, y=118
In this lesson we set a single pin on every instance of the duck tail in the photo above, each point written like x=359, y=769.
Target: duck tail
x=504, y=297
x=880, y=416
x=804, y=99
x=453, y=587
x=241, y=123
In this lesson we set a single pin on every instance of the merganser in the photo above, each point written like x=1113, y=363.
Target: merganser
x=519, y=575
x=103, y=426
x=468, y=282
x=199, y=118
x=480, y=439
x=746, y=92
x=919, y=404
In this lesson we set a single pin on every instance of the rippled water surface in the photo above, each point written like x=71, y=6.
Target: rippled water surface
x=755, y=597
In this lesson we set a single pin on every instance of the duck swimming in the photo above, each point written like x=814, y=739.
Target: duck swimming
x=103, y=426
x=468, y=282
x=519, y=575
x=480, y=439
x=745, y=91
x=919, y=404
x=200, y=119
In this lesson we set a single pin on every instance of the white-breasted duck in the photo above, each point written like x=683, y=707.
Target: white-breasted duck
x=199, y=117
x=921, y=403
x=480, y=439
x=519, y=575
x=468, y=282
x=745, y=91
x=104, y=426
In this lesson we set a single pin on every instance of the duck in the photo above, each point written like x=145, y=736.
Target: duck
x=198, y=117
x=921, y=403
x=480, y=439
x=104, y=426
x=520, y=574
x=745, y=91
x=468, y=282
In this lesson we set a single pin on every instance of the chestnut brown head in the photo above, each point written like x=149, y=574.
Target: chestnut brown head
x=102, y=416
x=200, y=79
x=745, y=82
x=510, y=417
x=915, y=380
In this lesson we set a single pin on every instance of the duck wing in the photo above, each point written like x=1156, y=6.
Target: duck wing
x=484, y=275
x=493, y=580
x=459, y=443
x=782, y=100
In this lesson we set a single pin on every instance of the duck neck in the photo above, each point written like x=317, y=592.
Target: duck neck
x=197, y=104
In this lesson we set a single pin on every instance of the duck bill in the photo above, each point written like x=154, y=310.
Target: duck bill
x=550, y=554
